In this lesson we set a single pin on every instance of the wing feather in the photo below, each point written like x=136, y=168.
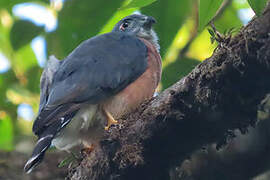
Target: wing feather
x=46, y=79
x=97, y=69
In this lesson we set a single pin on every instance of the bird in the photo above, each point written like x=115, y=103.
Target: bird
x=104, y=78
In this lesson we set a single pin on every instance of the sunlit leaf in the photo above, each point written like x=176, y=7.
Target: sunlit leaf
x=170, y=15
x=183, y=36
x=22, y=33
x=18, y=94
x=6, y=132
x=137, y=3
x=207, y=10
x=5, y=24
x=240, y=4
x=201, y=47
x=257, y=5
x=115, y=18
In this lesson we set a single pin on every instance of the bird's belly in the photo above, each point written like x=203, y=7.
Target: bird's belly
x=133, y=95
x=70, y=136
x=140, y=90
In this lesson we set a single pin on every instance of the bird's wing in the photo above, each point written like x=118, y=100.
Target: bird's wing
x=46, y=79
x=97, y=69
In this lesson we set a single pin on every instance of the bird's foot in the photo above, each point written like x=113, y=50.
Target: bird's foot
x=110, y=120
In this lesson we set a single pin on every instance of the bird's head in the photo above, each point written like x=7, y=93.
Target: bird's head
x=140, y=26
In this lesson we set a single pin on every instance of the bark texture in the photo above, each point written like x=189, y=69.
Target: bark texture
x=221, y=94
x=245, y=157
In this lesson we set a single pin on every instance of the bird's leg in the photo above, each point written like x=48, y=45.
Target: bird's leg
x=110, y=119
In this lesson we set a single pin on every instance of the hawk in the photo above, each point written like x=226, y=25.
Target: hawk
x=104, y=78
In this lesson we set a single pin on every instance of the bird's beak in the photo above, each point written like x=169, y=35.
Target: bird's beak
x=148, y=22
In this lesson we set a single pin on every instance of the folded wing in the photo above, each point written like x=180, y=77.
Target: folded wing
x=96, y=70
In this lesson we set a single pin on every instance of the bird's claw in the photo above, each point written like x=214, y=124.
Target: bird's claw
x=110, y=120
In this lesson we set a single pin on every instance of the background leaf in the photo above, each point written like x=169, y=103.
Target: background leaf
x=229, y=19
x=170, y=15
x=257, y=5
x=207, y=10
x=115, y=18
x=6, y=132
x=177, y=70
x=22, y=32
x=78, y=22
x=9, y=4
x=137, y=4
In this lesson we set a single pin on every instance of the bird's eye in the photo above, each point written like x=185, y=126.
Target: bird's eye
x=124, y=26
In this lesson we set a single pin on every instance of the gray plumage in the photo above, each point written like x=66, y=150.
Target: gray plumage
x=98, y=68
x=47, y=78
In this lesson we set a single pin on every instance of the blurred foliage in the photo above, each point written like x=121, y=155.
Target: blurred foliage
x=6, y=132
x=172, y=70
x=257, y=5
x=207, y=9
x=22, y=32
x=136, y=3
x=170, y=15
x=181, y=29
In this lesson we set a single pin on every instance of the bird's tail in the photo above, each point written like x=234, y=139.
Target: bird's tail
x=43, y=143
x=47, y=129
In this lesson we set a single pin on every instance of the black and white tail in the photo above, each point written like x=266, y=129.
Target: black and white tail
x=47, y=125
x=43, y=143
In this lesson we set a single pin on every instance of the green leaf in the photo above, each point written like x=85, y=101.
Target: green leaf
x=240, y=4
x=7, y=79
x=22, y=33
x=207, y=10
x=33, y=76
x=67, y=160
x=9, y=4
x=78, y=22
x=170, y=15
x=176, y=70
x=115, y=18
x=18, y=94
x=137, y=4
x=24, y=59
x=6, y=132
x=228, y=20
x=257, y=5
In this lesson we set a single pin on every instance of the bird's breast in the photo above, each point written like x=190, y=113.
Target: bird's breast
x=140, y=90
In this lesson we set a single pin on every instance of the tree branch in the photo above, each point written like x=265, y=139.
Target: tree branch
x=219, y=95
x=245, y=157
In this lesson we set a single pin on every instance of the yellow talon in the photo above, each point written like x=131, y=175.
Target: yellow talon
x=110, y=120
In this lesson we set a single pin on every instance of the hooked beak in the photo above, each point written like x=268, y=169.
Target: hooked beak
x=148, y=22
